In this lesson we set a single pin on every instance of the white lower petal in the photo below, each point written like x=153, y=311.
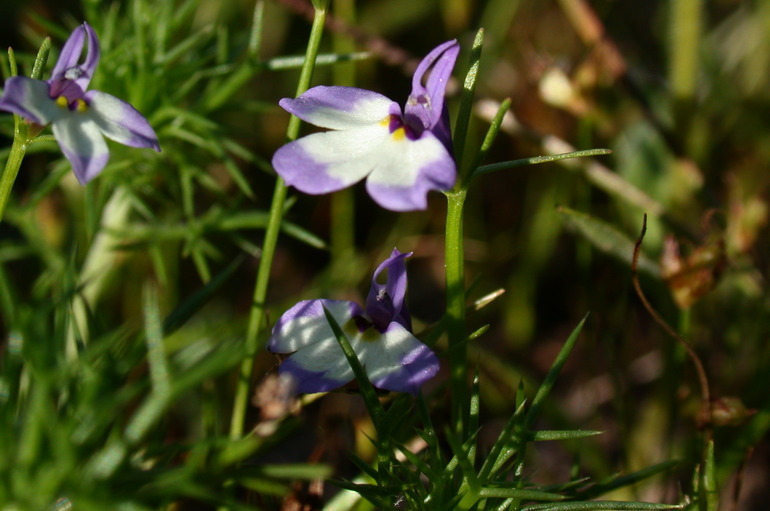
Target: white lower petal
x=407, y=169
x=400, y=159
x=325, y=162
x=82, y=143
x=397, y=360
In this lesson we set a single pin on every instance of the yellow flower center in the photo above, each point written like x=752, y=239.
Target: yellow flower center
x=399, y=134
x=80, y=105
x=351, y=329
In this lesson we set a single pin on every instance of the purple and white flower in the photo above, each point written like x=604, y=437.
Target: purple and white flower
x=379, y=333
x=79, y=119
x=404, y=154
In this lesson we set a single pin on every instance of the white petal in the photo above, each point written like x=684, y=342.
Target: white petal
x=82, y=143
x=407, y=169
x=305, y=324
x=325, y=162
x=396, y=359
x=340, y=107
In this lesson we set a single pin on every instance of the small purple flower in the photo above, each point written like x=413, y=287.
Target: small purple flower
x=404, y=154
x=380, y=334
x=79, y=119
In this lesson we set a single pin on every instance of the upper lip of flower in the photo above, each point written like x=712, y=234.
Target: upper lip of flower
x=426, y=102
x=69, y=77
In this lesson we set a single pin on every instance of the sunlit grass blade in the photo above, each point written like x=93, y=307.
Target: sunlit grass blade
x=492, y=167
x=466, y=106
x=40, y=60
x=516, y=493
x=600, y=505
x=550, y=436
x=490, y=137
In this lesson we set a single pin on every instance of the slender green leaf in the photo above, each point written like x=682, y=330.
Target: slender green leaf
x=466, y=103
x=600, y=505
x=548, y=436
x=485, y=169
x=606, y=238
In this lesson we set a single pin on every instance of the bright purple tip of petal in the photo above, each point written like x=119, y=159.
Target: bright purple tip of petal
x=299, y=168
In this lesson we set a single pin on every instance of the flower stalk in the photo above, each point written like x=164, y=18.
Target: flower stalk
x=454, y=253
x=257, y=315
x=455, y=308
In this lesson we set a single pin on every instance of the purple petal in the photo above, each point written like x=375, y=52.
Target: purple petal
x=67, y=69
x=29, y=98
x=317, y=363
x=408, y=169
x=398, y=361
x=340, y=108
x=120, y=121
x=309, y=382
x=426, y=102
x=82, y=143
x=305, y=324
x=385, y=302
x=330, y=161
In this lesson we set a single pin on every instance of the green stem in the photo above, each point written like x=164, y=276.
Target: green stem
x=257, y=316
x=12, y=166
x=455, y=309
x=454, y=258
x=21, y=135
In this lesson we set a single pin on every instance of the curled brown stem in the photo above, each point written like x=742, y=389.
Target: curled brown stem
x=694, y=358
